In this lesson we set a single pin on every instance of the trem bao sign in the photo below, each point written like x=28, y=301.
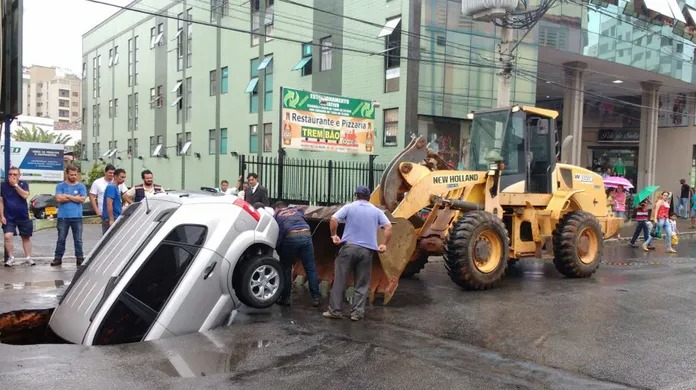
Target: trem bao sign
x=36, y=161
x=327, y=123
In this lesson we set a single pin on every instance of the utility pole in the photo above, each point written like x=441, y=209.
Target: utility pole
x=218, y=80
x=260, y=85
x=184, y=90
x=504, y=73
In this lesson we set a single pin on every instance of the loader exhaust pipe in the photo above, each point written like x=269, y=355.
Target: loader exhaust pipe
x=457, y=204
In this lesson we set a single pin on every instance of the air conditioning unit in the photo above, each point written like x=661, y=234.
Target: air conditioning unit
x=485, y=10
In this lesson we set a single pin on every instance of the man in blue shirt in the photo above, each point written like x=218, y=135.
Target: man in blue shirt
x=112, y=200
x=359, y=245
x=295, y=240
x=70, y=196
x=15, y=215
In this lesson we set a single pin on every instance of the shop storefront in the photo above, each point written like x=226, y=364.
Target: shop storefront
x=615, y=150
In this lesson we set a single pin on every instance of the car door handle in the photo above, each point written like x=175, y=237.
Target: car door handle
x=209, y=270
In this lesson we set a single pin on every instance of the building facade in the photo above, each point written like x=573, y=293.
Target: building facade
x=159, y=75
x=52, y=92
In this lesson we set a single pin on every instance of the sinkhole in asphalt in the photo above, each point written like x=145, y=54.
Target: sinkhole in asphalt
x=28, y=327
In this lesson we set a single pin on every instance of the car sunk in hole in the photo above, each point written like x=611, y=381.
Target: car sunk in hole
x=170, y=265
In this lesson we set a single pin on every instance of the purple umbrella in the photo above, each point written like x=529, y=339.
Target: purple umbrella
x=615, y=181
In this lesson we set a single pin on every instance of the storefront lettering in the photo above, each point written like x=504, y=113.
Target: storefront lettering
x=618, y=135
x=455, y=178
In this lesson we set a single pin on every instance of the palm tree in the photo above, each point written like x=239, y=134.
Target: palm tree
x=37, y=134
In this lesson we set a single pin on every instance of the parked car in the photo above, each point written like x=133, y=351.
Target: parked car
x=43, y=206
x=172, y=264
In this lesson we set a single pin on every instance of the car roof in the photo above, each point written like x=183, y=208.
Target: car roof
x=193, y=197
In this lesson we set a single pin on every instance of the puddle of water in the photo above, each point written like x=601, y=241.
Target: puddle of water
x=36, y=284
x=191, y=363
x=27, y=327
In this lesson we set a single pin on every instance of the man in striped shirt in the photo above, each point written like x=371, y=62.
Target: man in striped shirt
x=642, y=215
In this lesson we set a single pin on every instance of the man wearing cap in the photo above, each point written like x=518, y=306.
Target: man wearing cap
x=358, y=247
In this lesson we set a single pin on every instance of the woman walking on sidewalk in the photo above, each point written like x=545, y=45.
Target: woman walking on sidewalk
x=661, y=215
x=642, y=214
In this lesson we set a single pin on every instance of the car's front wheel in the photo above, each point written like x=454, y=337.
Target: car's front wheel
x=40, y=214
x=260, y=283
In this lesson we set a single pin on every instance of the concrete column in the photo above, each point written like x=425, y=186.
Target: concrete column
x=647, y=152
x=573, y=103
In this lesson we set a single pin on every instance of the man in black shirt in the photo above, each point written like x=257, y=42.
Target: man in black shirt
x=683, y=208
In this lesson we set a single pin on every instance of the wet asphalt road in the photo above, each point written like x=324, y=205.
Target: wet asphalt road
x=631, y=325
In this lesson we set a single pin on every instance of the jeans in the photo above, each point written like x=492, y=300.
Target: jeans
x=684, y=207
x=63, y=225
x=667, y=228
x=291, y=248
x=642, y=225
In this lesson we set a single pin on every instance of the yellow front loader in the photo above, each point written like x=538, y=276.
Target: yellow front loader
x=512, y=200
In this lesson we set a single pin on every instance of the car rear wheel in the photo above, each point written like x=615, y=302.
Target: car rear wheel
x=40, y=214
x=260, y=283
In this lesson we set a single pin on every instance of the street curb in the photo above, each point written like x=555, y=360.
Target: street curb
x=45, y=224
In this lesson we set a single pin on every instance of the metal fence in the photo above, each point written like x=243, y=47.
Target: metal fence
x=308, y=181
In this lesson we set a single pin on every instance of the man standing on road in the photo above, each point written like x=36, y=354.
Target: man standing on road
x=70, y=195
x=256, y=192
x=112, y=200
x=15, y=215
x=96, y=192
x=295, y=240
x=359, y=244
x=145, y=190
x=683, y=208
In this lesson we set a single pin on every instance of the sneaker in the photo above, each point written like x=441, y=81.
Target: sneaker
x=632, y=245
x=645, y=248
x=652, y=248
x=670, y=250
x=29, y=261
x=10, y=262
x=333, y=316
x=56, y=262
x=356, y=318
x=316, y=302
x=79, y=261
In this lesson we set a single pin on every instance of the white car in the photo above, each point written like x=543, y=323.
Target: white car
x=171, y=265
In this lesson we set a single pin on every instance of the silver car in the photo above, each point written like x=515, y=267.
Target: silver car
x=170, y=265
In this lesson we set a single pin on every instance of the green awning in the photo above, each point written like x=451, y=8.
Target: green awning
x=252, y=85
x=302, y=63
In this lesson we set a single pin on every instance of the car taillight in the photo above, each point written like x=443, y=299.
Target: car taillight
x=33, y=203
x=248, y=208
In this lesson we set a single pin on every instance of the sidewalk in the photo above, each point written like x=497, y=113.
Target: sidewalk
x=626, y=231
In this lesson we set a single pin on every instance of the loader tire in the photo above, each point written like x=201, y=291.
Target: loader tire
x=577, y=245
x=415, y=266
x=477, y=251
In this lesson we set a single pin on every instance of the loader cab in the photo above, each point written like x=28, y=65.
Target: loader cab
x=523, y=138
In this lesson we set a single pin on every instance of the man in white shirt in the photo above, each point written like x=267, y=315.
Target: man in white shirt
x=96, y=192
x=225, y=188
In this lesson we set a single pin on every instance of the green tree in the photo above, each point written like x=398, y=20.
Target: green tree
x=37, y=134
x=95, y=173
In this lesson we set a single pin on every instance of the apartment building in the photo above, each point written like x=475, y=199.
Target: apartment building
x=52, y=92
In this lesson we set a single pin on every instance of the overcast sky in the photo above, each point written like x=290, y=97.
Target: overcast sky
x=53, y=30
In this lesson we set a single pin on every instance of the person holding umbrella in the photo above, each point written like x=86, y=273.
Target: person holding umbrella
x=661, y=214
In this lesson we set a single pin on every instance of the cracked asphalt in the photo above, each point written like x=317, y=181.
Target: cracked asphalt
x=629, y=326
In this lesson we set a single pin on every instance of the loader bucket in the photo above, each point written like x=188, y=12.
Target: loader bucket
x=386, y=267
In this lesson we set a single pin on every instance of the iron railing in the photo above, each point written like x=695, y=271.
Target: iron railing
x=311, y=181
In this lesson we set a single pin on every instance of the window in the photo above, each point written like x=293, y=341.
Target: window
x=223, y=141
x=268, y=84
x=252, y=89
x=212, y=141
x=391, y=126
x=219, y=9
x=111, y=108
x=326, y=54
x=130, y=62
x=115, y=110
x=64, y=93
x=135, y=111
x=84, y=70
x=160, y=96
x=392, y=60
x=179, y=42
x=178, y=89
x=142, y=300
x=189, y=99
x=63, y=113
x=130, y=147
x=113, y=56
x=130, y=112
x=157, y=36
x=75, y=94
x=189, y=40
x=153, y=36
x=213, y=83
x=180, y=143
x=154, y=141
x=63, y=103
x=95, y=151
x=153, y=97
x=95, y=120
x=75, y=104
x=74, y=113
x=135, y=60
x=305, y=64
x=95, y=79
x=267, y=138
x=224, y=78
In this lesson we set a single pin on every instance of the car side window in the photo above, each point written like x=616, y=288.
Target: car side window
x=142, y=300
